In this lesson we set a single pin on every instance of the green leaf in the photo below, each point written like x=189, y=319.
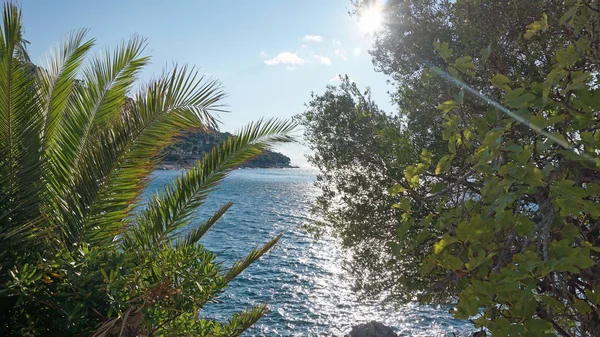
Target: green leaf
x=538, y=327
x=553, y=77
x=465, y=65
x=492, y=137
x=402, y=230
x=404, y=205
x=444, y=164
x=443, y=50
x=447, y=106
x=543, y=122
x=454, y=72
x=452, y=145
x=567, y=57
x=582, y=307
x=426, y=156
x=486, y=52
x=582, y=258
x=171, y=209
x=466, y=307
x=412, y=173
x=501, y=81
x=568, y=16
x=451, y=262
x=446, y=241
x=396, y=189
x=534, y=27
x=518, y=98
x=478, y=260
x=593, y=295
x=523, y=225
x=578, y=82
x=533, y=177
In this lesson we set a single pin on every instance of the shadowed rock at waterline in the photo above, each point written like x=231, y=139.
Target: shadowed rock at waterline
x=371, y=329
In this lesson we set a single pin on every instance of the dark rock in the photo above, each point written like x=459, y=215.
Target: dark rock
x=371, y=329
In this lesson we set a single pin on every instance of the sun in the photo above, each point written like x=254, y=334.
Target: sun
x=371, y=19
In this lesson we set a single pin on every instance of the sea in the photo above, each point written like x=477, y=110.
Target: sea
x=302, y=279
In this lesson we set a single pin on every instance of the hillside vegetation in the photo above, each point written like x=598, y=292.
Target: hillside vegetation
x=194, y=145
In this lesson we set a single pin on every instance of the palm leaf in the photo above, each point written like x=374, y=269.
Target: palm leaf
x=99, y=100
x=87, y=126
x=180, y=100
x=58, y=77
x=195, y=234
x=171, y=209
x=255, y=254
x=20, y=126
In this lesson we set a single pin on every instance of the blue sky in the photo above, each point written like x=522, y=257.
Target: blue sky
x=269, y=54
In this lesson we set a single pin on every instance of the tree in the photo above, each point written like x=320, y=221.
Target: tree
x=480, y=29
x=503, y=217
x=79, y=254
x=359, y=150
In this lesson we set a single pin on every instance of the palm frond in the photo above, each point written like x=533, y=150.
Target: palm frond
x=255, y=254
x=243, y=321
x=20, y=126
x=147, y=124
x=58, y=77
x=99, y=99
x=195, y=234
x=85, y=127
x=171, y=209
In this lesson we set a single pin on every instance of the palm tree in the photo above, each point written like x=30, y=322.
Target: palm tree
x=79, y=253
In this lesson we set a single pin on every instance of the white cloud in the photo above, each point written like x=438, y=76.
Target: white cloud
x=341, y=54
x=291, y=60
x=356, y=51
x=312, y=38
x=323, y=59
x=336, y=42
x=263, y=54
x=338, y=78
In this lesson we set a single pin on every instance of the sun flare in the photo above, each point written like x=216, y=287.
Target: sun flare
x=371, y=19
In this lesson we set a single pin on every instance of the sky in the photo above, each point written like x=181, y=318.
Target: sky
x=268, y=54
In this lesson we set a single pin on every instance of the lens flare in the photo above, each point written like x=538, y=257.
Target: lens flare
x=371, y=19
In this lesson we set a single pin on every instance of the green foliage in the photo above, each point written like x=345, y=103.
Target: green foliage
x=358, y=150
x=79, y=253
x=502, y=216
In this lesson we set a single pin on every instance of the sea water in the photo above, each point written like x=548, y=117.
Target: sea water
x=302, y=280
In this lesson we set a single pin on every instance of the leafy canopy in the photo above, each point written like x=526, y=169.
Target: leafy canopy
x=495, y=169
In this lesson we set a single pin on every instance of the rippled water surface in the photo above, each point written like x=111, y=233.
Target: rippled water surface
x=301, y=279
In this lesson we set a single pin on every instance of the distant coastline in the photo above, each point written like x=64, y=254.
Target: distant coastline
x=176, y=166
x=194, y=145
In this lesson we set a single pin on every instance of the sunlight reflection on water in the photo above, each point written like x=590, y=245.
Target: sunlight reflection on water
x=302, y=281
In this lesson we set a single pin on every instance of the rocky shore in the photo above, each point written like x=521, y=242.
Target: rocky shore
x=371, y=329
